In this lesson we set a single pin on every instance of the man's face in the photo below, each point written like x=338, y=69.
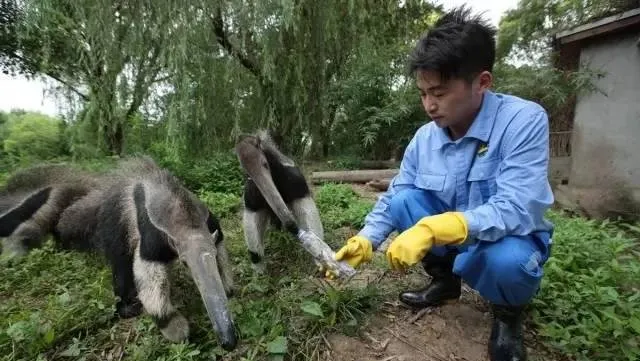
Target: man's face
x=453, y=103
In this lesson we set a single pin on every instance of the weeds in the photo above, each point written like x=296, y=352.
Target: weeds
x=220, y=174
x=59, y=306
x=340, y=206
x=49, y=298
x=588, y=304
x=221, y=204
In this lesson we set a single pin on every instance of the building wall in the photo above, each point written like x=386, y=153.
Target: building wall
x=605, y=170
x=559, y=169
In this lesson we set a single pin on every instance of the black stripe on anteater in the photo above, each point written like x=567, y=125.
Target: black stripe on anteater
x=12, y=219
x=255, y=258
x=213, y=224
x=154, y=243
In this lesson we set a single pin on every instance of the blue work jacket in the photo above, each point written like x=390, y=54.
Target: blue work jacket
x=496, y=174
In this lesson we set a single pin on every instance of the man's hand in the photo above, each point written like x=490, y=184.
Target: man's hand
x=356, y=251
x=412, y=245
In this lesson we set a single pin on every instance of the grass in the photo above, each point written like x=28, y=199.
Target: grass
x=51, y=298
x=59, y=306
x=588, y=305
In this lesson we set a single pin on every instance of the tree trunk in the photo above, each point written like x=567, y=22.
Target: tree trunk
x=352, y=176
x=114, y=136
x=379, y=164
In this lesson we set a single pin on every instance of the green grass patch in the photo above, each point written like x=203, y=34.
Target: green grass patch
x=50, y=298
x=341, y=206
x=59, y=306
x=588, y=304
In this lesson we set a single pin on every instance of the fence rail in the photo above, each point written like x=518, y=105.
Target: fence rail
x=560, y=143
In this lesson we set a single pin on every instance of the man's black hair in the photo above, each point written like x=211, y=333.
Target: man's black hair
x=458, y=46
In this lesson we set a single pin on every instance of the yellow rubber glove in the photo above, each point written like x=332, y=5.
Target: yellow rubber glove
x=412, y=245
x=357, y=250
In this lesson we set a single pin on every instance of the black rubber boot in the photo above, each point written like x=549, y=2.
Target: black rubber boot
x=506, y=341
x=444, y=286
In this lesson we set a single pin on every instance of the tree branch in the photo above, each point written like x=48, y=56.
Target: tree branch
x=141, y=86
x=52, y=76
x=80, y=94
x=148, y=68
x=223, y=40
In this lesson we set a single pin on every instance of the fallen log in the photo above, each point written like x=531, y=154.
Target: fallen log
x=372, y=164
x=352, y=176
x=379, y=184
x=378, y=164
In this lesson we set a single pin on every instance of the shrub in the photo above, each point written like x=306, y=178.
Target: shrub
x=31, y=137
x=221, y=204
x=221, y=173
x=340, y=206
x=588, y=303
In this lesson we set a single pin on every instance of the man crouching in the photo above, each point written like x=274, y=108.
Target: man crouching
x=470, y=197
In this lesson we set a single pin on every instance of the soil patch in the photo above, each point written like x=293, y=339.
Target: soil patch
x=454, y=332
x=458, y=331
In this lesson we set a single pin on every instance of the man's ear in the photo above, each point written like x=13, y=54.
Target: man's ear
x=484, y=81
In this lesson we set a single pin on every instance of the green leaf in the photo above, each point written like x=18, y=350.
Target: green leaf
x=277, y=346
x=611, y=315
x=312, y=308
x=632, y=227
x=72, y=351
x=634, y=322
x=64, y=298
x=17, y=331
x=193, y=353
x=49, y=336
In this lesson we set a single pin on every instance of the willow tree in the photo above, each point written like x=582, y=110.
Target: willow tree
x=224, y=67
x=246, y=64
x=106, y=54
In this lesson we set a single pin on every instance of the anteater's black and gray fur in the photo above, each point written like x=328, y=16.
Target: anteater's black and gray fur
x=32, y=201
x=274, y=184
x=142, y=219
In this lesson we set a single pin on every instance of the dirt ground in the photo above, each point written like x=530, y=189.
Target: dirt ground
x=457, y=331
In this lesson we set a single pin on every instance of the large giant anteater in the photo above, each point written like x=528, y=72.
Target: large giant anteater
x=141, y=218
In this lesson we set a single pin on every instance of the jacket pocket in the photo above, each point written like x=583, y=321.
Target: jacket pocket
x=484, y=170
x=430, y=181
x=482, y=181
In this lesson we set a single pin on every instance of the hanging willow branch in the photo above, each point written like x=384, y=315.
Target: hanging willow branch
x=223, y=39
x=225, y=66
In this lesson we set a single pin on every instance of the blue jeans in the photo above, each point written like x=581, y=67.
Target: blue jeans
x=504, y=272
